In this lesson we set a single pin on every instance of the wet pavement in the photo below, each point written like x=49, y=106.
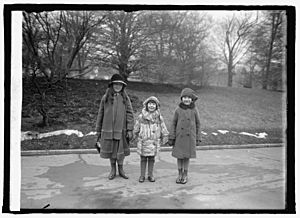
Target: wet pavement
x=218, y=179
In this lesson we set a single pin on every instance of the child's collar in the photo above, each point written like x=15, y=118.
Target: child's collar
x=184, y=106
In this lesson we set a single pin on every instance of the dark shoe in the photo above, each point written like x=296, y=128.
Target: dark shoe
x=121, y=172
x=151, y=178
x=179, y=178
x=111, y=176
x=142, y=179
x=113, y=170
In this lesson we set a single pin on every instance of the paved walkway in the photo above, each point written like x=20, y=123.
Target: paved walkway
x=218, y=179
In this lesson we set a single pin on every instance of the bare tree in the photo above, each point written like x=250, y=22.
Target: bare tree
x=234, y=41
x=122, y=41
x=276, y=21
x=187, y=40
x=162, y=27
x=52, y=40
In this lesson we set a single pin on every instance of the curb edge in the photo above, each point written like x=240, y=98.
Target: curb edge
x=94, y=151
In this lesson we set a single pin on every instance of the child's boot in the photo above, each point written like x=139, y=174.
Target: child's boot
x=184, y=177
x=112, y=173
x=143, y=169
x=178, y=180
x=150, y=169
x=121, y=171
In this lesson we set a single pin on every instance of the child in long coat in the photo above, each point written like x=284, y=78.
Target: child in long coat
x=185, y=133
x=150, y=131
x=114, y=125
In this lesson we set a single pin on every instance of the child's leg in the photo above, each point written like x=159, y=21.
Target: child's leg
x=112, y=173
x=180, y=163
x=151, y=161
x=186, y=163
x=180, y=169
x=143, y=168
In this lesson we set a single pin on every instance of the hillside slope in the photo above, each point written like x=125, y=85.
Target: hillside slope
x=231, y=110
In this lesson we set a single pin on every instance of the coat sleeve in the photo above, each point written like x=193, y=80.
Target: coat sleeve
x=198, y=127
x=164, y=131
x=172, y=134
x=129, y=115
x=100, y=115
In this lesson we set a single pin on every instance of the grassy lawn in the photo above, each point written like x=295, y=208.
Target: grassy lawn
x=233, y=109
x=228, y=108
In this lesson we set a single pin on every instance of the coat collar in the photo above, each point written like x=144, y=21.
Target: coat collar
x=184, y=107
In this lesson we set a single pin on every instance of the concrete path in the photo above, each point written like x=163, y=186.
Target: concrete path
x=218, y=179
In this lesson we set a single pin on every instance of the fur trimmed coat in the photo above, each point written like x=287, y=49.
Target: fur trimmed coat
x=150, y=131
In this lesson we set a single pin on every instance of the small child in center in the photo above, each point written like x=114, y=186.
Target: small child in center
x=151, y=132
x=185, y=133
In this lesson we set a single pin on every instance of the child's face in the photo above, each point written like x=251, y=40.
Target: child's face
x=186, y=100
x=117, y=87
x=151, y=106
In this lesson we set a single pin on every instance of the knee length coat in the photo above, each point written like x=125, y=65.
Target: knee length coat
x=185, y=128
x=113, y=121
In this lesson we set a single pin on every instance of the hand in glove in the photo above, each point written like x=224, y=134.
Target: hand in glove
x=129, y=135
x=171, y=142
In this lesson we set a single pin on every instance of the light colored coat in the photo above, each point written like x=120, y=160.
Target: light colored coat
x=150, y=131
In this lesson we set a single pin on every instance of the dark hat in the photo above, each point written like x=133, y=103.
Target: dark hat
x=190, y=93
x=117, y=78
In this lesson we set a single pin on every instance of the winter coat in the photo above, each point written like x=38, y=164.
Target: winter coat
x=150, y=130
x=185, y=129
x=113, y=121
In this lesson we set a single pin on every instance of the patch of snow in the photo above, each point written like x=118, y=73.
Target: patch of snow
x=91, y=133
x=28, y=135
x=204, y=133
x=59, y=132
x=256, y=135
x=214, y=133
x=261, y=135
x=223, y=131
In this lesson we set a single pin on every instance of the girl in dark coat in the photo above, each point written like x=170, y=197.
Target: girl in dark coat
x=115, y=124
x=185, y=133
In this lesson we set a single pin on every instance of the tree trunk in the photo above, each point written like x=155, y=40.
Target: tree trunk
x=274, y=28
x=230, y=68
x=45, y=120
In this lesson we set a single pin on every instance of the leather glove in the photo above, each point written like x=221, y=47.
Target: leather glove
x=129, y=135
x=171, y=142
